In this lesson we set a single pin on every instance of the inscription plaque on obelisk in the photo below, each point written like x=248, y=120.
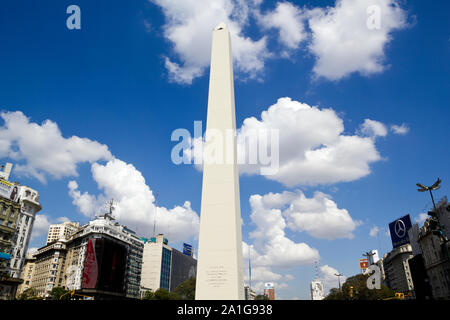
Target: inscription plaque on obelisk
x=219, y=267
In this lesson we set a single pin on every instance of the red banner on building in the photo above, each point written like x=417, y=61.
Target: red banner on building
x=90, y=272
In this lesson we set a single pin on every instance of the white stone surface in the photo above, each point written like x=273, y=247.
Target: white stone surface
x=220, y=268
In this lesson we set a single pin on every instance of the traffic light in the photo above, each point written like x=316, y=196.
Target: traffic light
x=351, y=291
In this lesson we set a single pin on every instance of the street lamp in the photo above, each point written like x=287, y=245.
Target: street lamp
x=435, y=186
x=339, y=275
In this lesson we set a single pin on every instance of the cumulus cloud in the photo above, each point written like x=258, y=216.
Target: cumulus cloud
x=287, y=19
x=188, y=27
x=319, y=216
x=309, y=147
x=42, y=151
x=313, y=148
x=329, y=278
x=134, y=202
x=349, y=37
x=374, y=128
x=352, y=36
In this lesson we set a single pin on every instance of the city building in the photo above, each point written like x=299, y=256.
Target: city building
x=269, y=290
x=396, y=269
x=317, y=291
x=431, y=263
x=29, y=206
x=62, y=231
x=163, y=266
x=27, y=273
x=249, y=293
x=104, y=260
x=18, y=207
x=9, y=214
x=49, y=268
x=373, y=257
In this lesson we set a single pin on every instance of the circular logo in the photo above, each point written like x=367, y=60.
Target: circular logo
x=400, y=228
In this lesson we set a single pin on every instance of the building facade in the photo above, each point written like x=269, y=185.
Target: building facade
x=269, y=290
x=396, y=269
x=49, y=268
x=104, y=260
x=9, y=214
x=317, y=290
x=29, y=205
x=165, y=267
x=27, y=273
x=62, y=231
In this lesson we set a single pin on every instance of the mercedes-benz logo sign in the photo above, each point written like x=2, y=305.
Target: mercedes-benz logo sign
x=400, y=228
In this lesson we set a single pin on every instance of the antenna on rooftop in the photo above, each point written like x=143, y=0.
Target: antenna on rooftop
x=316, y=268
x=156, y=211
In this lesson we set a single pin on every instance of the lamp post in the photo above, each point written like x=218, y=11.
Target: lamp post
x=435, y=186
x=339, y=275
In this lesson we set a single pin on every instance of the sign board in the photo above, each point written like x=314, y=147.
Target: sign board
x=9, y=191
x=187, y=249
x=399, y=231
x=363, y=264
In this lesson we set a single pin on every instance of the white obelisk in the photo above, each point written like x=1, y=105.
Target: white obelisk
x=219, y=267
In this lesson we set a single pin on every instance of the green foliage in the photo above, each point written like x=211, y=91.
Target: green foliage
x=58, y=292
x=161, y=294
x=261, y=297
x=360, y=290
x=186, y=289
x=148, y=295
x=28, y=294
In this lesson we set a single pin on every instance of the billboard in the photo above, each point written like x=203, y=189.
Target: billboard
x=363, y=264
x=187, y=249
x=9, y=191
x=399, y=231
x=105, y=265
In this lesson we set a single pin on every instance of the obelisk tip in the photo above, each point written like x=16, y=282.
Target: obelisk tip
x=221, y=26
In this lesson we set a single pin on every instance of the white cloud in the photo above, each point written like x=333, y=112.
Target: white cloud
x=401, y=130
x=374, y=231
x=43, y=149
x=373, y=128
x=134, y=202
x=346, y=38
x=288, y=20
x=329, y=278
x=318, y=216
x=271, y=246
x=188, y=27
x=42, y=223
x=421, y=218
x=350, y=37
x=312, y=146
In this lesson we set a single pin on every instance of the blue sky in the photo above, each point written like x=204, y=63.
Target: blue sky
x=113, y=83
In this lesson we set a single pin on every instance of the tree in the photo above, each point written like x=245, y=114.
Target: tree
x=261, y=297
x=28, y=294
x=161, y=294
x=360, y=290
x=57, y=292
x=148, y=295
x=186, y=289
